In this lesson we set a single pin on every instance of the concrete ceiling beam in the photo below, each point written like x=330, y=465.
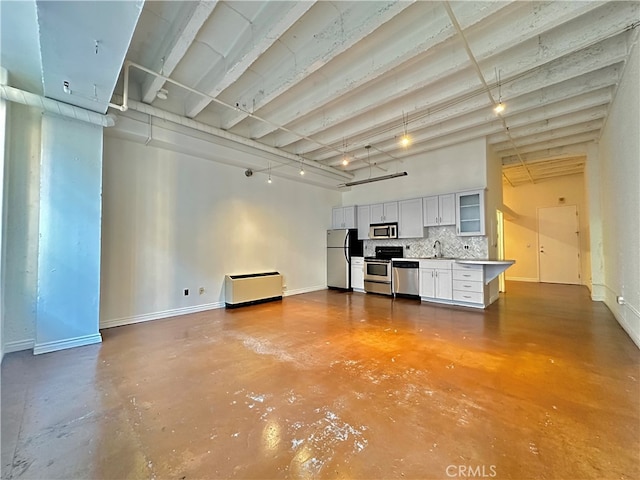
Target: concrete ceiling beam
x=311, y=43
x=553, y=143
x=518, y=28
x=447, y=64
x=241, y=58
x=174, y=48
x=363, y=119
x=569, y=151
x=424, y=37
x=475, y=111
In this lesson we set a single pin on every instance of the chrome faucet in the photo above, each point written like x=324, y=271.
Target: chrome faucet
x=438, y=248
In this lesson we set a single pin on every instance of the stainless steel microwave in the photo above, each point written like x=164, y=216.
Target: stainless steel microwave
x=383, y=230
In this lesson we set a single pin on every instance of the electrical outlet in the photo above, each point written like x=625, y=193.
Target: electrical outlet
x=186, y=292
x=201, y=290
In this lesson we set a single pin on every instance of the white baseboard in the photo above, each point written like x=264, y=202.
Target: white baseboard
x=19, y=345
x=147, y=317
x=298, y=291
x=48, y=347
x=598, y=292
x=522, y=279
x=627, y=316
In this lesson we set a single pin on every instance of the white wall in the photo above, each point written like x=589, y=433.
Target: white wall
x=448, y=170
x=619, y=155
x=173, y=221
x=493, y=199
x=21, y=227
x=521, y=233
x=3, y=136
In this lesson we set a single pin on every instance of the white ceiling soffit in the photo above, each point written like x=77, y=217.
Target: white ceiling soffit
x=330, y=78
x=20, y=46
x=84, y=43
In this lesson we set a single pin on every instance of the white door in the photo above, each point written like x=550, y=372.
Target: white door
x=558, y=244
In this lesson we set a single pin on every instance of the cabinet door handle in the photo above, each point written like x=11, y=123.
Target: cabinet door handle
x=436, y=220
x=432, y=274
x=467, y=286
x=440, y=220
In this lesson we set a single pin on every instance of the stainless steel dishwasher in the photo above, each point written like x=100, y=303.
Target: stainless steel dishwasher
x=405, y=278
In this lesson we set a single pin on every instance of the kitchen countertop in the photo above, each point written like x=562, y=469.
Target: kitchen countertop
x=492, y=268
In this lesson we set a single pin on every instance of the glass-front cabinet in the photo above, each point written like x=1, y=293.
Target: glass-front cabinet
x=470, y=213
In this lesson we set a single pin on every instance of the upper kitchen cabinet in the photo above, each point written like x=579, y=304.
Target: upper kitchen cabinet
x=470, y=213
x=363, y=214
x=344, y=217
x=439, y=210
x=410, y=218
x=384, y=212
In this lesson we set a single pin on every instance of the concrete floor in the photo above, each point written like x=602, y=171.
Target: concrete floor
x=544, y=384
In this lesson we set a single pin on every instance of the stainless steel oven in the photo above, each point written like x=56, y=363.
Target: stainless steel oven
x=377, y=270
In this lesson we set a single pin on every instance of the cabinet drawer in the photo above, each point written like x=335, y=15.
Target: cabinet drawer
x=468, y=286
x=468, y=297
x=468, y=274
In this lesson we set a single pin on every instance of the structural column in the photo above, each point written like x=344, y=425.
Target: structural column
x=68, y=286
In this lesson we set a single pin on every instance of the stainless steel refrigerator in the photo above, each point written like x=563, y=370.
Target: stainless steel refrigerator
x=342, y=244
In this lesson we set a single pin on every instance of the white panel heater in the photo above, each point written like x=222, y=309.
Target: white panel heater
x=252, y=288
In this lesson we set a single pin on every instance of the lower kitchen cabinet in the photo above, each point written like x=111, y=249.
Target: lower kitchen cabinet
x=357, y=274
x=435, y=280
x=468, y=285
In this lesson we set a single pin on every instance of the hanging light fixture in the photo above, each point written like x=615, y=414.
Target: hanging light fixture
x=301, y=167
x=345, y=158
x=499, y=108
x=405, y=140
x=269, y=179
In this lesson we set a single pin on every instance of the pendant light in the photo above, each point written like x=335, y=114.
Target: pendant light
x=405, y=140
x=499, y=108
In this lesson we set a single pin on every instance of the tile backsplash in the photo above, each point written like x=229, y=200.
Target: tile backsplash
x=452, y=244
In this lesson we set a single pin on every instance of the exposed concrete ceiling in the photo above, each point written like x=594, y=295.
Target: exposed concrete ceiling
x=321, y=80
x=341, y=75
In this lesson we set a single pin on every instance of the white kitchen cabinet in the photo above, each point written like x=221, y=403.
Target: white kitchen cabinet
x=357, y=274
x=439, y=210
x=363, y=214
x=384, y=212
x=435, y=280
x=470, y=213
x=469, y=285
x=344, y=217
x=410, y=218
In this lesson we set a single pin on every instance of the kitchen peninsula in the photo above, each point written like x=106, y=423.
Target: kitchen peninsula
x=463, y=282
